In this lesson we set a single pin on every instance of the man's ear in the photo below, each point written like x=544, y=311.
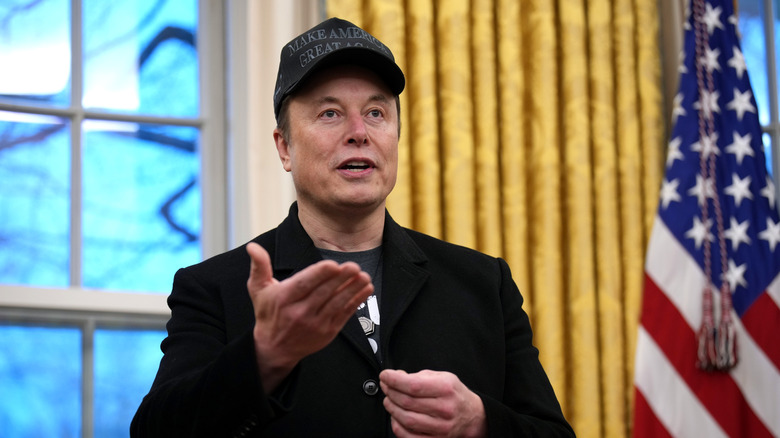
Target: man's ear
x=283, y=148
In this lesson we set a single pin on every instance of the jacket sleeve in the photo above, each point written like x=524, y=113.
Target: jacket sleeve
x=206, y=386
x=529, y=407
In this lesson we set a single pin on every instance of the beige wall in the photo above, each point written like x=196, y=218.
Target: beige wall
x=260, y=190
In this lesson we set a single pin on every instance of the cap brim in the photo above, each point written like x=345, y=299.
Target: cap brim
x=384, y=67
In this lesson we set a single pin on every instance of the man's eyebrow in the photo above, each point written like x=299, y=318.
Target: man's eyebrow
x=327, y=99
x=373, y=98
x=379, y=98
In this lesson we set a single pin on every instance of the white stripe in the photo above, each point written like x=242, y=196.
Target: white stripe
x=676, y=407
x=675, y=273
x=758, y=379
x=681, y=279
x=774, y=290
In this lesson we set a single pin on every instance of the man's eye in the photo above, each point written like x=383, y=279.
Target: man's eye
x=329, y=114
x=375, y=113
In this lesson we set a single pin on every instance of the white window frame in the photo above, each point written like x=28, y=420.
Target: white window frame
x=773, y=128
x=244, y=189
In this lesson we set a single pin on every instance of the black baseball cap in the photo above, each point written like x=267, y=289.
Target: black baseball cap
x=333, y=42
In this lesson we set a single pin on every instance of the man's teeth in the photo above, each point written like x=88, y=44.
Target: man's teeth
x=356, y=166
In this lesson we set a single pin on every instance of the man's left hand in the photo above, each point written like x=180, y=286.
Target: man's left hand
x=432, y=403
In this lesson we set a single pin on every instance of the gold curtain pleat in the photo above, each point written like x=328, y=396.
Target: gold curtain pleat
x=544, y=174
x=578, y=210
x=533, y=131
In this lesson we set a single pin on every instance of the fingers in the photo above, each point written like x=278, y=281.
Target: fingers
x=431, y=403
x=353, y=290
x=420, y=393
x=423, y=384
x=260, y=271
x=324, y=281
x=324, y=287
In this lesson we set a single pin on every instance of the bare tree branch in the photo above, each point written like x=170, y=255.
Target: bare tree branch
x=165, y=210
x=37, y=137
x=167, y=33
x=17, y=9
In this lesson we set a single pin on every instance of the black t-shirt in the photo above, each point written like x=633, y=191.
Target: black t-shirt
x=370, y=261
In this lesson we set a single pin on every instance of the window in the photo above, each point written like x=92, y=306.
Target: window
x=760, y=29
x=110, y=130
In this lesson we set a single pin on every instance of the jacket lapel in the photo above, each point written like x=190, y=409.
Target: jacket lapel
x=402, y=263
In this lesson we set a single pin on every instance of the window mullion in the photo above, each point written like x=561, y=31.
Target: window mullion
x=76, y=90
x=88, y=378
x=771, y=65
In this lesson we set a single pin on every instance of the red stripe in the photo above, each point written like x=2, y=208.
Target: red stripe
x=717, y=392
x=646, y=424
x=762, y=321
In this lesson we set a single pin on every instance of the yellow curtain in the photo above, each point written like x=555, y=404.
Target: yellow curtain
x=533, y=131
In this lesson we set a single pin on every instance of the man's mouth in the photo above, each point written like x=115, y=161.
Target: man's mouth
x=356, y=166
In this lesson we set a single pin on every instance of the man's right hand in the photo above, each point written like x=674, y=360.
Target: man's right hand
x=302, y=314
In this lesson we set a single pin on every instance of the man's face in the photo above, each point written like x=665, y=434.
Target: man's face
x=343, y=140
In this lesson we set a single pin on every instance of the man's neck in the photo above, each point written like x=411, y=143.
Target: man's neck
x=343, y=231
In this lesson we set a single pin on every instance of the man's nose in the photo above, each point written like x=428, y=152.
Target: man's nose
x=358, y=134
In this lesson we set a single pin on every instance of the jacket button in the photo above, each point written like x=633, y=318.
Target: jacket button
x=370, y=387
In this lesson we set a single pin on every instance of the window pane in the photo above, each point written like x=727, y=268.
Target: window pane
x=35, y=193
x=40, y=377
x=125, y=365
x=768, y=151
x=35, y=40
x=142, y=208
x=140, y=56
x=753, y=44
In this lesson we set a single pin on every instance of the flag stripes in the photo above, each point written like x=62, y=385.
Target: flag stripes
x=667, y=395
x=646, y=421
x=708, y=361
x=744, y=401
x=762, y=321
x=718, y=393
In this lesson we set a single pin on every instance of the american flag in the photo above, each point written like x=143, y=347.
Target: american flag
x=708, y=348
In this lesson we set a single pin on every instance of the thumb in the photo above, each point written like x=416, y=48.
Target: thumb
x=261, y=273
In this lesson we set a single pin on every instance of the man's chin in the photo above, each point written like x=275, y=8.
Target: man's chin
x=359, y=205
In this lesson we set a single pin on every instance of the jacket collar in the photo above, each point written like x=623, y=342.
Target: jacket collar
x=404, y=263
x=295, y=250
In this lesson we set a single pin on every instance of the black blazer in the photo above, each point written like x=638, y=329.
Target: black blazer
x=443, y=307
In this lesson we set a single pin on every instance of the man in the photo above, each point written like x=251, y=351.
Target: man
x=266, y=340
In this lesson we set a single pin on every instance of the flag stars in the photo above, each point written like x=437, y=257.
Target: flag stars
x=736, y=275
x=677, y=109
x=769, y=192
x=741, y=103
x=771, y=234
x=673, y=153
x=707, y=145
x=681, y=67
x=708, y=103
x=712, y=18
x=703, y=189
x=710, y=59
x=700, y=231
x=740, y=147
x=737, y=234
x=737, y=62
x=739, y=188
x=734, y=21
x=669, y=192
